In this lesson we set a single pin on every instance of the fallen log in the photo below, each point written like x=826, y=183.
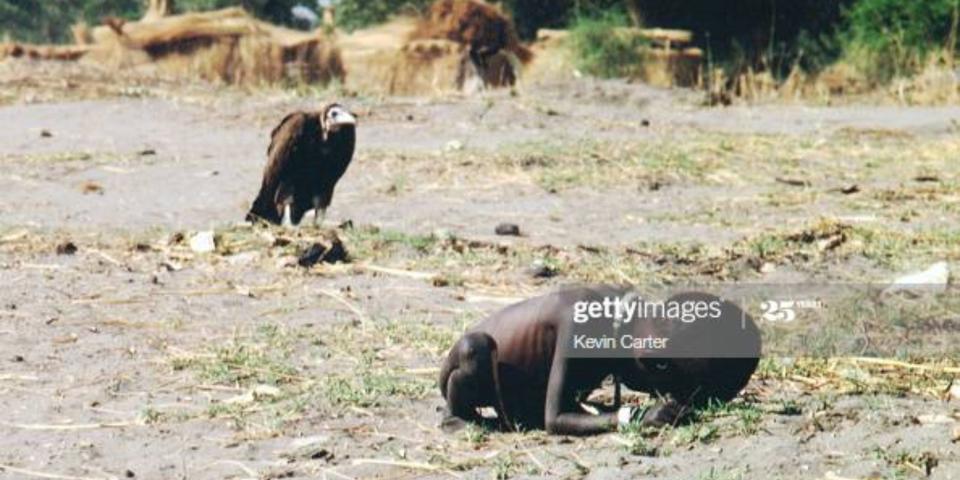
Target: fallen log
x=43, y=52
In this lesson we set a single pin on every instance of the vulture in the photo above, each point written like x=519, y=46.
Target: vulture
x=308, y=153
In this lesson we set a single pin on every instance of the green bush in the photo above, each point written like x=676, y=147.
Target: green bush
x=888, y=38
x=603, y=51
x=529, y=15
x=353, y=14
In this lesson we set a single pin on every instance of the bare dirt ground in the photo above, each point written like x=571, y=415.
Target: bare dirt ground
x=135, y=357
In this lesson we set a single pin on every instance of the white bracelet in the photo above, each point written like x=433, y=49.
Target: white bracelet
x=624, y=416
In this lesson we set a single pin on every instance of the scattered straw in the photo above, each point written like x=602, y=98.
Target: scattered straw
x=899, y=364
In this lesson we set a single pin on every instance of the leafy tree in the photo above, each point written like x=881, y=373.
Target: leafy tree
x=50, y=20
x=275, y=11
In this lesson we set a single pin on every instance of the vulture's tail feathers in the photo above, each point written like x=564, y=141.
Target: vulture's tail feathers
x=263, y=209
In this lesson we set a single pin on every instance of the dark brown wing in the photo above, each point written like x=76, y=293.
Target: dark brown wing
x=287, y=142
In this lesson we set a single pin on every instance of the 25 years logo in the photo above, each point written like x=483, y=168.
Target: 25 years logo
x=785, y=311
x=781, y=311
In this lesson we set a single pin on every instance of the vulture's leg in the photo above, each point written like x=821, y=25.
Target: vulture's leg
x=319, y=210
x=284, y=196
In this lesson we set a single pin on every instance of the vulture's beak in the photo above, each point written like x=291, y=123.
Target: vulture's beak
x=339, y=117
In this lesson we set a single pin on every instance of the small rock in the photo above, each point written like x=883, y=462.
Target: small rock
x=850, y=189
x=91, y=187
x=17, y=358
x=66, y=248
x=171, y=266
x=443, y=234
x=453, y=146
x=244, y=258
x=767, y=267
x=934, y=280
x=147, y=152
x=926, y=178
x=954, y=392
x=956, y=434
x=645, y=122
x=203, y=242
x=346, y=225
x=285, y=261
x=539, y=269
x=176, y=238
x=281, y=241
x=309, y=448
x=265, y=391
x=45, y=133
x=934, y=418
x=507, y=229
x=258, y=392
x=129, y=474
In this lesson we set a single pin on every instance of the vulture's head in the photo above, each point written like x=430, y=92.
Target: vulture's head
x=336, y=118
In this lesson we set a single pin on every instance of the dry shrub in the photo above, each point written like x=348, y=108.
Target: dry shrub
x=397, y=58
x=425, y=66
x=224, y=45
x=377, y=63
x=81, y=34
x=937, y=83
x=669, y=68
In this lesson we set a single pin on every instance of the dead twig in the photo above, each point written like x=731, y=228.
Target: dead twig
x=38, y=474
x=409, y=465
x=247, y=470
x=79, y=426
x=398, y=272
x=343, y=301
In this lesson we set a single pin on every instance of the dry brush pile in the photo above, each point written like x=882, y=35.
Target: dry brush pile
x=227, y=45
